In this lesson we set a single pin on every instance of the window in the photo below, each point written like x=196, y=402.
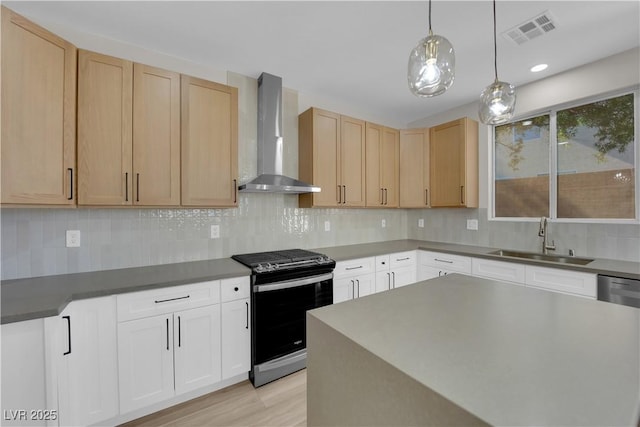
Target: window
x=574, y=163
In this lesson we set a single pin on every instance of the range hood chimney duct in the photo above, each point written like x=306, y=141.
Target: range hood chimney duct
x=270, y=149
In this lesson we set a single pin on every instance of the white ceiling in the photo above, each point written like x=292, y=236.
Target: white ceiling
x=356, y=52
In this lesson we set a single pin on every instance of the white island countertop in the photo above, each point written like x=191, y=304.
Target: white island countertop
x=503, y=354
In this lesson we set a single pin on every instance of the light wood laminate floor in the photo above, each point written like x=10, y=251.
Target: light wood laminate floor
x=280, y=403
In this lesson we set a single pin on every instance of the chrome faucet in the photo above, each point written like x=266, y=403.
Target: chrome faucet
x=542, y=232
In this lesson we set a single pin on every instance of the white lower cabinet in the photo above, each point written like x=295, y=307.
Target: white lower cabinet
x=236, y=327
x=395, y=270
x=436, y=264
x=82, y=361
x=564, y=281
x=171, y=353
x=353, y=279
x=499, y=270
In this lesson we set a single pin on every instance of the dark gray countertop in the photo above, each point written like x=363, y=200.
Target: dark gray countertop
x=38, y=297
x=626, y=269
x=510, y=355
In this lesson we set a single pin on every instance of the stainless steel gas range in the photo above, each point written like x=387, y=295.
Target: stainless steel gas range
x=284, y=285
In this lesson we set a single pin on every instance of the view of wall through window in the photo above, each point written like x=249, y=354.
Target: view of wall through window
x=595, y=169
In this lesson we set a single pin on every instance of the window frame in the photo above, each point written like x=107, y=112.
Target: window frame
x=553, y=161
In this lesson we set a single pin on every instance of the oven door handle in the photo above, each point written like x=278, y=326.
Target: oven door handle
x=292, y=283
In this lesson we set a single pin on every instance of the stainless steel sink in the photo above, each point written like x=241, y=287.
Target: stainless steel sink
x=542, y=257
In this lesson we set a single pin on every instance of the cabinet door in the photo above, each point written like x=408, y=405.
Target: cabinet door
x=383, y=281
x=389, y=160
x=209, y=143
x=403, y=276
x=414, y=168
x=374, y=185
x=236, y=338
x=87, y=380
x=197, y=347
x=343, y=289
x=454, y=164
x=351, y=159
x=105, y=87
x=156, y=136
x=145, y=357
x=318, y=145
x=365, y=285
x=38, y=114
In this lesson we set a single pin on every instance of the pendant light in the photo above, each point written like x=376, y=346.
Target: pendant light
x=431, y=67
x=498, y=100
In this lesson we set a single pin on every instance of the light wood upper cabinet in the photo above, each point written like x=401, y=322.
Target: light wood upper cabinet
x=352, y=161
x=454, y=164
x=332, y=156
x=128, y=133
x=382, y=157
x=414, y=168
x=105, y=89
x=38, y=114
x=318, y=148
x=209, y=143
x=156, y=136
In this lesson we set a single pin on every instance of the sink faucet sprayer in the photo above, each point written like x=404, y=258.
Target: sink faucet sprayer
x=542, y=232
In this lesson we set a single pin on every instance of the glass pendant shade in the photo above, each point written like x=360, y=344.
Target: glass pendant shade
x=497, y=103
x=431, y=67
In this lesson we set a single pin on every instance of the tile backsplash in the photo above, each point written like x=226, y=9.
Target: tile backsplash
x=33, y=240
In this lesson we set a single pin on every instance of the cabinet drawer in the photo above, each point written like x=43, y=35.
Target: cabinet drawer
x=402, y=259
x=235, y=288
x=137, y=305
x=498, y=270
x=565, y=281
x=457, y=263
x=354, y=267
x=382, y=263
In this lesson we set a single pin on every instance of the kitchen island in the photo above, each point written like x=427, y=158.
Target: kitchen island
x=459, y=350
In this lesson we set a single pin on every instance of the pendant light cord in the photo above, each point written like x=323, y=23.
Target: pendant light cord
x=429, y=16
x=495, y=42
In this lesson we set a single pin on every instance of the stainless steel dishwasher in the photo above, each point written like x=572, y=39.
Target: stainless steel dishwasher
x=619, y=290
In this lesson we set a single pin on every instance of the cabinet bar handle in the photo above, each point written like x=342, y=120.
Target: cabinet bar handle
x=179, y=333
x=462, y=194
x=393, y=274
x=235, y=191
x=402, y=259
x=69, y=334
x=137, y=187
x=353, y=268
x=339, y=194
x=426, y=197
x=70, y=170
x=382, y=196
x=443, y=260
x=167, y=333
x=389, y=278
x=126, y=186
x=247, y=327
x=344, y=194
x=353, y=289
x=170, y=299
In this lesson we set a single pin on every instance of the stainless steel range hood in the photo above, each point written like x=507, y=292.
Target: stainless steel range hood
x=270, y=149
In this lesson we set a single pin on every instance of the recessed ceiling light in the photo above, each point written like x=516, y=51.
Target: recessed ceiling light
x=538, y=68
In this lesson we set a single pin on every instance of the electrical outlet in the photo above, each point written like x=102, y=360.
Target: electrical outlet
x=73, y=238
x=215, y=231
x=472, y=224
x=421, y=223
x=384, y=223
x=327, y=226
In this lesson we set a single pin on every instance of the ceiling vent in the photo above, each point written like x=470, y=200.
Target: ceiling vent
x=531, y=28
